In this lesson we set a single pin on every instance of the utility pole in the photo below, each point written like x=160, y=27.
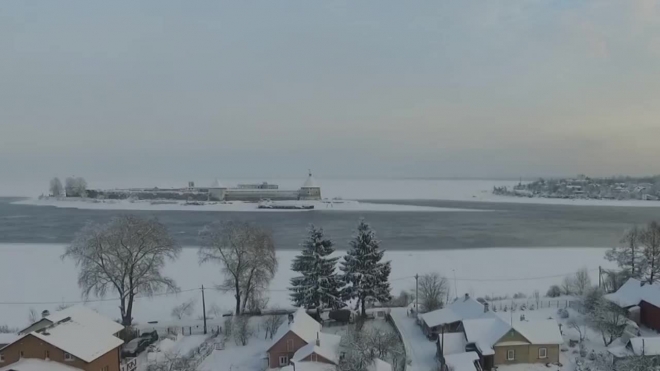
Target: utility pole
x=600, y=275
x=416, y=294
x=455, y=285
x=204, y=309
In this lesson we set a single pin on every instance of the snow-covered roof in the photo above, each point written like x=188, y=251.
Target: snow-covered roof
x=545, y=331
x=79, y=340
x=35, y=364
x=303, y=325
x=633, y=292
x=461, y=309
x=484, y=332
x=379, y=365
x=310, y=182
x=452, y=343
x=328, y=348
x=83, y=316
x=8, y=338
x=462, y=361
x=647, y=346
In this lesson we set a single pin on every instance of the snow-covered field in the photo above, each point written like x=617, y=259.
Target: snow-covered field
x=356, y=189
x=328, y=205
x=34, y=276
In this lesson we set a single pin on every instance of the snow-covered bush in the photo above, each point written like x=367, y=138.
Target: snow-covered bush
x=553, y=292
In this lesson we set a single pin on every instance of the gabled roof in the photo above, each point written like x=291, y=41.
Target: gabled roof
x=328, y=348
x=633, y=292
x=78, y=340
x=34, y=364
x=461, y=309
x=647, y=346
x=303, y=325
x=462, y=361
x=485, y=332
x=8, y=338
x=86, y=317
x=544, y=331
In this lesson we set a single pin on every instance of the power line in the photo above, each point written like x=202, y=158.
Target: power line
x=467, y=279
x=91, y=300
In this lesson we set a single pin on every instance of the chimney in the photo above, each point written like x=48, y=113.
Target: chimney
x=318, y=340
x=467, y=296
x=485, y=307
x=45, y=314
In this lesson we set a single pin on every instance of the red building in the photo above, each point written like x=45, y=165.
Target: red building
x=646, y=297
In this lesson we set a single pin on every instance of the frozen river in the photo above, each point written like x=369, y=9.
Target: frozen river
x=504, y=225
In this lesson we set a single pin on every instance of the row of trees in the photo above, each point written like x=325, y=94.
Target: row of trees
x=74, y=187
x=364, y=276
x=127, y=256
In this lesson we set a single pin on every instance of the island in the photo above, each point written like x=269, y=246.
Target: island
x=584, y=187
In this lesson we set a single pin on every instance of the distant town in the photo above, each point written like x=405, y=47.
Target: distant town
x=584, y=187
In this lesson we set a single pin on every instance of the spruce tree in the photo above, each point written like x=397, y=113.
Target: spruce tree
x=364, y=274
x=318, y=285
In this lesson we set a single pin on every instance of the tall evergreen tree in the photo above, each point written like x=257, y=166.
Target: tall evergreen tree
x=318, y=285
x=363, y=272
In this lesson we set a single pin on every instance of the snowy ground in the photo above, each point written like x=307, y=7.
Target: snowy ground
x=354, y=189
x=419, y=350
x=34, y=276
x=327, y=205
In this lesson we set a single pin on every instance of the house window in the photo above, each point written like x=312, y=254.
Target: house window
x=68, y=357
x=21, y=354
x=510, y=355
x=543, y=352
x=284, y=360
x=2, y=358
x=47, y=354
x=314, y=357
x=105, y=368
x=289, y=345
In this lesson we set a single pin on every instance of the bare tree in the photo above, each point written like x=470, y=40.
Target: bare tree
x=271, y=323
x=382, y=342
x=609, y=320
x=364, y=346
x=628, y=255
x=56, y=189
x=246, y=254
x=650, y=241
x=567, y=285
x=432, y=290
x=184, y=309
x=32, y=316
x=581, y=281
x=580, y=327
x=126, y=256
x=242, y=330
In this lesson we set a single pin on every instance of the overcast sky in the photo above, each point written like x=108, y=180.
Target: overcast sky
x=124, y=89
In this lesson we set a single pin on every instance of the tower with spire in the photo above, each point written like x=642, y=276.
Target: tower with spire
x=310, y=190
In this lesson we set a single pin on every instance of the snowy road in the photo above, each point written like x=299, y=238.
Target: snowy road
x=421, y=350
